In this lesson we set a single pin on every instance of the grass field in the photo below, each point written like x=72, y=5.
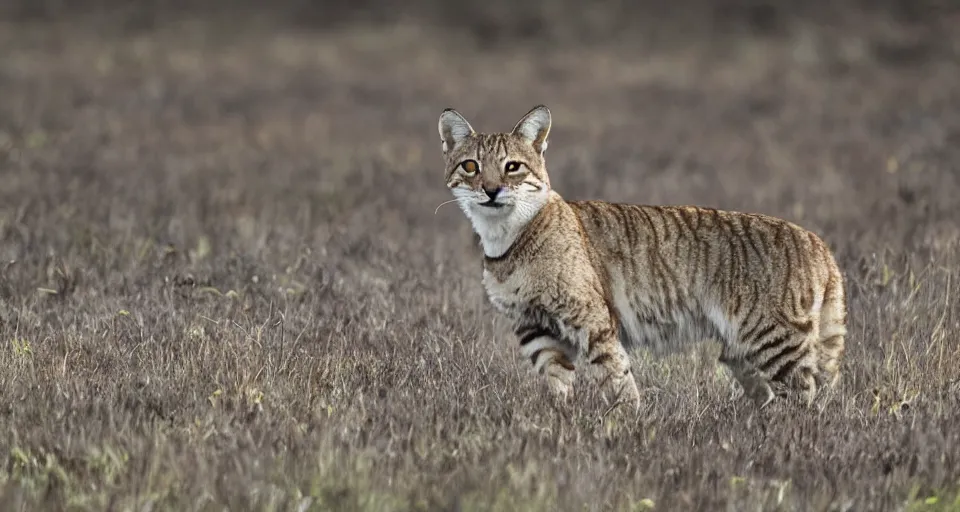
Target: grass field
x=223, y=283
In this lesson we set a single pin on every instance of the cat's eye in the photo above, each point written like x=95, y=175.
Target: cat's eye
x=512, y=167
x=470, y=167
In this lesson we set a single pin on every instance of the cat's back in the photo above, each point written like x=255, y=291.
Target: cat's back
x=704, y=251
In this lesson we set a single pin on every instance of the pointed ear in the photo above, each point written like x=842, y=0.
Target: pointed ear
x=534, y=127
x=453, y=129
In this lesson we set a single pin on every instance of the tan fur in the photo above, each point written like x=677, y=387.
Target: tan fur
x=584, y=280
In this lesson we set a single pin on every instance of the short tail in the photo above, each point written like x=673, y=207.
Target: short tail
x=833, y=327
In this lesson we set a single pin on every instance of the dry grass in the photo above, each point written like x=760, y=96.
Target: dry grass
x=222, y=283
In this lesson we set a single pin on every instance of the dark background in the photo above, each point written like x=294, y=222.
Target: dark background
x=223, y=283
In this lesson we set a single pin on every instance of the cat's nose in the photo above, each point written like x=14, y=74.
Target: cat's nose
x=492, y=192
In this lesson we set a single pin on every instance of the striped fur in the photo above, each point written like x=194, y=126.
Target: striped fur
x=585, y=280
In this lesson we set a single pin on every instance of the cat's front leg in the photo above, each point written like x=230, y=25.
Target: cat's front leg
x=606, y=353
x=550, y=357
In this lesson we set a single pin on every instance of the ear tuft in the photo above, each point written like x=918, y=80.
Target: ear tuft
x=453, y=129
x=534, y=127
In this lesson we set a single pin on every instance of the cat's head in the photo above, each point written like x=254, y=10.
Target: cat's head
x=497, y=175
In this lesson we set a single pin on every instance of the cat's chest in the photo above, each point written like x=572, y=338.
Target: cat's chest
x=505, y=292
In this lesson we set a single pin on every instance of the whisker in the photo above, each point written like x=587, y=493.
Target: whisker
x=443, y=203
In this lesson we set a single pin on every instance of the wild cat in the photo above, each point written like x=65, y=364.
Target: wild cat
x=584, y=280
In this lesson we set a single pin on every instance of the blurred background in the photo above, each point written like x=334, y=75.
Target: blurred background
x=777, y=106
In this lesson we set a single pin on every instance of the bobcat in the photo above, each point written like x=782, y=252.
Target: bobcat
x=584, y=280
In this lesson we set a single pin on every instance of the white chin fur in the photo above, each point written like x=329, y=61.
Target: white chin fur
x=499, y=227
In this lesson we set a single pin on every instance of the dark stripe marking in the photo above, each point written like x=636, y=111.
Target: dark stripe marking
x=773, y=342
x=788, y=368
x=771, y=362
x=533, y=334
x=602, y=358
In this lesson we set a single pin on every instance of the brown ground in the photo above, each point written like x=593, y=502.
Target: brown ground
x=222, y=282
